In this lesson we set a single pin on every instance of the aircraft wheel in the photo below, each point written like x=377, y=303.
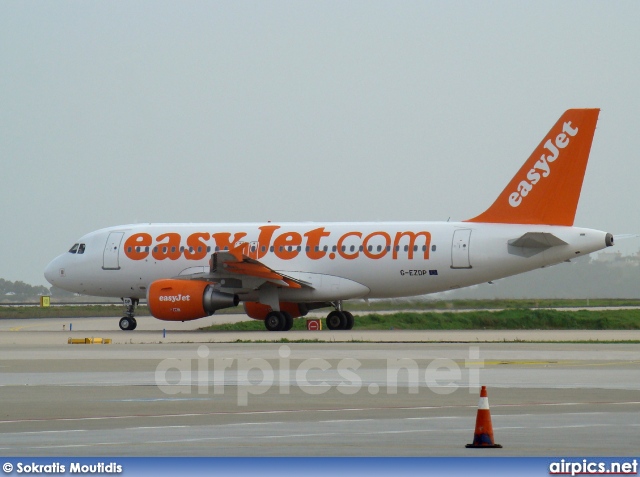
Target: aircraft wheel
x=350, y=320
x=275, y=321
x=127, y=324
x=288, y=321
x=134, y=324
x=336, y=320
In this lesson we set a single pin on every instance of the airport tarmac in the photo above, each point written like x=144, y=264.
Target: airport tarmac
x=57, y=331
x=160, y=398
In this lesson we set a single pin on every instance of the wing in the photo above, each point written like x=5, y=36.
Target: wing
x=236, y=264
x=235, y=272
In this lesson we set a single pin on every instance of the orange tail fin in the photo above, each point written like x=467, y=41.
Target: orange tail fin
x=547, y=187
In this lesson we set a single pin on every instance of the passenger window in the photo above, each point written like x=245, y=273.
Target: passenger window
x=81, y=248
x=74, y=249
x=415, y=248
x=433, y=248
x=406, y=248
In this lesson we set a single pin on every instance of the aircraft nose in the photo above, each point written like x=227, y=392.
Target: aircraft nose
x=52, y=271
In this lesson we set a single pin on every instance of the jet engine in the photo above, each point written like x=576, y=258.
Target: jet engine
x=184, y=300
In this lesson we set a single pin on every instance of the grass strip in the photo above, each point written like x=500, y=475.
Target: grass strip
x=512, y=319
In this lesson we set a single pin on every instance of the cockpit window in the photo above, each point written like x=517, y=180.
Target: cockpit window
x=80, y=248
x=74, y=249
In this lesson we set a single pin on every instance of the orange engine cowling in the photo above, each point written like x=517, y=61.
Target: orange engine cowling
x=258, y=311
x=184, y=300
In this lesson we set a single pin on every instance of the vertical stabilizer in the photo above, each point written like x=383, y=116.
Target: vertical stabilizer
x=547, y=187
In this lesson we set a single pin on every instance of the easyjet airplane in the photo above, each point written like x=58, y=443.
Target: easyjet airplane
x=280, y=271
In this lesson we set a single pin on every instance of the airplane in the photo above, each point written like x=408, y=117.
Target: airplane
x=281, y=271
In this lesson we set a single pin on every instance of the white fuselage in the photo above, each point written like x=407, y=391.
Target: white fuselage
x=339, y=260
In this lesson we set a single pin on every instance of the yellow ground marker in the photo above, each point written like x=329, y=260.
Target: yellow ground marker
x=89, y=341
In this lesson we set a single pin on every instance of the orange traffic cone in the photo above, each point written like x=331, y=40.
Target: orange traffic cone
x=483, y=435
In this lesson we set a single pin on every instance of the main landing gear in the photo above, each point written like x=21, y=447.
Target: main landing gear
x=278, y=321
x=128, y=322
x=340, y=320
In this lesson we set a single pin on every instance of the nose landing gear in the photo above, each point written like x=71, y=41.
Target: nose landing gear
x=128, y=322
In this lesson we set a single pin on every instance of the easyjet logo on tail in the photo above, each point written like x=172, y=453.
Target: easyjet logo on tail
x=542, y=168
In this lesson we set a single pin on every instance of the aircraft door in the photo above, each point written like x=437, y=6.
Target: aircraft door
x=460, y=249
x=110, y=257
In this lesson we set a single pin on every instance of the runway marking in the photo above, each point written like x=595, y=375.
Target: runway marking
x=305, y=411
x=350, y=421
x=567, y=363
x=153, y=427
x=24, y=327
x=157, y=399
x=51, y=432
x=487, y=362
x=334, y=421
x=298, y=436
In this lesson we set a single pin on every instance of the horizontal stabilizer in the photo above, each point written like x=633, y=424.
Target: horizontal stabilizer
x=537, y=240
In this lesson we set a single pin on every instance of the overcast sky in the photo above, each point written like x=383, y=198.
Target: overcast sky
x=124, y=112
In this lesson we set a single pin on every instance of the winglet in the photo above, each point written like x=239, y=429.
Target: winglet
x=547, y=187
